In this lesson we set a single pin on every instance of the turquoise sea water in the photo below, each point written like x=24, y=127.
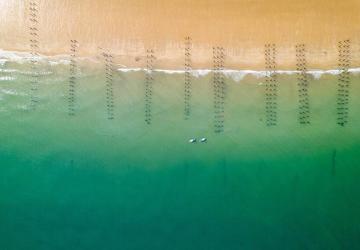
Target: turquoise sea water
x=87, y=182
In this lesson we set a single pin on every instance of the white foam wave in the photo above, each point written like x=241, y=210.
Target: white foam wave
x=25, y=57
x=238, y=75
x=60, y=61
x=39, y=73
x=7, y=78
x=12, y=92
x=8, y=70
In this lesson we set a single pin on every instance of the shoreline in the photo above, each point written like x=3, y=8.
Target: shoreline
x=164, y=62
x=236, y=74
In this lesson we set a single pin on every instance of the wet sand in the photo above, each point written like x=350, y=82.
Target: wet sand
x=128, y=28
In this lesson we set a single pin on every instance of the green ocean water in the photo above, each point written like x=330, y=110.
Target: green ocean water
x=86, y=182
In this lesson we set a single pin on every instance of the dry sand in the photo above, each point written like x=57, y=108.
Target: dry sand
x=242, y=27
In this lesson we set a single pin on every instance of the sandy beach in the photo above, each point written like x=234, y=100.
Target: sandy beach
x=127, y=28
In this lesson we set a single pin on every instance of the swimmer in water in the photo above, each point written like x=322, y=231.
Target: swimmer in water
x=203, y=139
x=192, y=140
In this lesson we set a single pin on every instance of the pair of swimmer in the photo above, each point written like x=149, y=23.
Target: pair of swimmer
x=193, y=140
